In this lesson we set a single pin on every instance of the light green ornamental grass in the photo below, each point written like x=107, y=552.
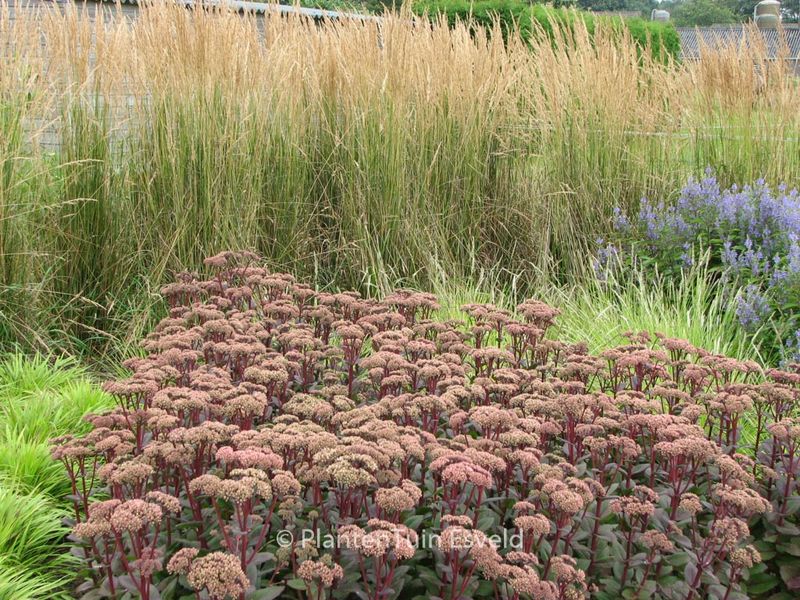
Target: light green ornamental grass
x=693, y=307
x=39, y=399
x=33, y=563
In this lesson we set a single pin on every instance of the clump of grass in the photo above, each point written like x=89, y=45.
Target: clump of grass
x=692, y=307
x=357, y=154
x=39, y=399
x=27, y=465
x=33, y=563
x=22, y=375
x=37, y=416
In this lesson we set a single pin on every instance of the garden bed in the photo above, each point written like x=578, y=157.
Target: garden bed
x=276, y=441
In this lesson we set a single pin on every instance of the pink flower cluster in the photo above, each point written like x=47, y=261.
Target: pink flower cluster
x=263, y=406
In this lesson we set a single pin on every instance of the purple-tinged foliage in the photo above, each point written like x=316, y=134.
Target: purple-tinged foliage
x=279, y=442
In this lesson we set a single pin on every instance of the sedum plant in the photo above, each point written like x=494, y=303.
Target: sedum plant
x=275, y=441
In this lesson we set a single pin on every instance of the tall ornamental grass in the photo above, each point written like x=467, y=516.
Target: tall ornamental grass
x=359, y=154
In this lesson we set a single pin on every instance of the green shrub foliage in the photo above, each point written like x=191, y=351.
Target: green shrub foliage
x=661, y=38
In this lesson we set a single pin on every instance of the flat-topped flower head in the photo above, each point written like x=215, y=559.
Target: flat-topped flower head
x=745, y=558
x=181, y=561
x=320, y=571
x=561, y=498
x=466, y=472
x=567, y=572
x=536, y=525
x=728, y=532
x=740, y=502
x=694, y=448
x=398, y=499
x=786, y=430
x=259, y=458
x=382, y=539
x=169, y=503
x=524, y=581
x=633, y=507
x=656, y=541
x=348, y=472
x=456, y=537
x=538, y=313
x=134, y=515
x=219, y=574
x=460, y=520
x=690, y=504
x=458, y=469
